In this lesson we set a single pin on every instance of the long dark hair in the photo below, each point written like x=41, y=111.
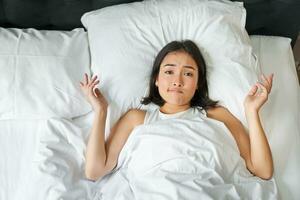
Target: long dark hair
x=200, y=97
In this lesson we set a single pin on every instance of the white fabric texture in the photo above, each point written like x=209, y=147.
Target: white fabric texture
x=125, y=39
x=182, y=156
x=281, y=114
x=40, y=73
x=43, y=159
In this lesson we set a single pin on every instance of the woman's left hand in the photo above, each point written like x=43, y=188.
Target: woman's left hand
x=258, y=94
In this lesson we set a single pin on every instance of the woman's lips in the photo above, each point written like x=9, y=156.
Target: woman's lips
x=175, y=91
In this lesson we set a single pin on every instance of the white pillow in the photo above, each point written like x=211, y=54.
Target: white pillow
x=281, y=114
x=40, y=72
x=125, y=39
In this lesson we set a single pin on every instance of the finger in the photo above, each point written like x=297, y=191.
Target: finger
x=262, y=87
x=268, y=82
x=265, y=79
x=92, y=81
x=95, y=83
x=265, y=82
x=95, y=77
x=86, y=78
x=253, y=90
x=271, y=80
x=93, y=87
x=97, y=92
x=81, y=84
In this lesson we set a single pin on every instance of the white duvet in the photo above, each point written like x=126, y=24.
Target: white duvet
x=60, y=162
x=167, y=160
x=43, y=160
x=182, y=159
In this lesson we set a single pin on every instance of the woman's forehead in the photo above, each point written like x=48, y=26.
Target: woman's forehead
x=179, y=58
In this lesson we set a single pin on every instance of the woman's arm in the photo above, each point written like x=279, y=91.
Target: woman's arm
x=101, y=156
x=95, y=150
x=261, y=156
x=253, y=147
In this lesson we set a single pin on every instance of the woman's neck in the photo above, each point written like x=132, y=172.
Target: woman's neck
x=171, y=109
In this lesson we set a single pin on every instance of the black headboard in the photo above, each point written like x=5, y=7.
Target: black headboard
x=264, y=17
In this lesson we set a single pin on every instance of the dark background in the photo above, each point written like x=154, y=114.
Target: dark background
x=264, y=17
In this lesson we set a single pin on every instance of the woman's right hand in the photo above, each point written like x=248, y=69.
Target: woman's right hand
x=93, y=96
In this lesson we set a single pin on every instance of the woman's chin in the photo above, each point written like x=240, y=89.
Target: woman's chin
x=177, y=102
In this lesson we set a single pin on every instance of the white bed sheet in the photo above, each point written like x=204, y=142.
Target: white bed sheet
x=281, y=114
x=43, y=159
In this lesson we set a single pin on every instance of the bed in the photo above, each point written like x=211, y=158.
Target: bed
x=45, y=120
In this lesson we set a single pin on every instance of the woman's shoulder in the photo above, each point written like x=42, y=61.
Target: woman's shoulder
x=219, y=113
x=136, y=116
x=214, y=110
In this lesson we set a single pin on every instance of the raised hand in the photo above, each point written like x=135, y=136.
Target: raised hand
x=258, y=94
x=93, y=94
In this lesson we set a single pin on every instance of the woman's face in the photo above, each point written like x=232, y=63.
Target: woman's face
x=177, y=79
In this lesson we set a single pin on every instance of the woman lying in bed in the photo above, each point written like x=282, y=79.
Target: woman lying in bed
x=178, y=84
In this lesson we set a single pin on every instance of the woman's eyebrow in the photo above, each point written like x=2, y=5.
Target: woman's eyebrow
x=173, y=65
x=190, y=67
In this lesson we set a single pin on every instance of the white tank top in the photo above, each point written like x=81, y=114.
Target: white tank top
x=156, y=115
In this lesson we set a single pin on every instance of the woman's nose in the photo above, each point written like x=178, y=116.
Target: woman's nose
x=178, y=82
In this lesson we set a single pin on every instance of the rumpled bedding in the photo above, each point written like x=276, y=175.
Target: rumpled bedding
x=182, y=159
x=44, y=160
x=166, y=160
x=60, y=158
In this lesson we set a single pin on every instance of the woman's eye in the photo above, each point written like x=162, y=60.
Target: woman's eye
x=189, y=74
x=168, y=72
